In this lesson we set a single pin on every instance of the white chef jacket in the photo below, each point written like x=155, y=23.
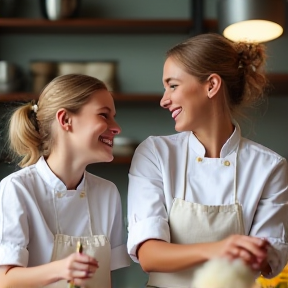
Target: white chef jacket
x=156, y=176
x=28, y=222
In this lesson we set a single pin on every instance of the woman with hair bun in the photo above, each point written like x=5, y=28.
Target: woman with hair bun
x=60, y=223
x=208, y=192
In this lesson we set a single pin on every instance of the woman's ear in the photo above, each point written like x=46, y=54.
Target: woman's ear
x=62, y=117
x=214, y=84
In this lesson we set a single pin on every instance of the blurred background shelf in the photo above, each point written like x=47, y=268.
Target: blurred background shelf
x=92, y=25
x=118, y=97
x=278, y=82
x=278, y=87
x=120, y=160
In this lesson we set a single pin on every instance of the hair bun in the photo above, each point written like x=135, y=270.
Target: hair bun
x=251, y=55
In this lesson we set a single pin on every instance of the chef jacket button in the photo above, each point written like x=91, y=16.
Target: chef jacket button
x=226, y=163
x=59, y=194
x=82, y=194
x=199, y=159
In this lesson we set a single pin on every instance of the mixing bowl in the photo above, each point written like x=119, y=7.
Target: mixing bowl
x=59, y=9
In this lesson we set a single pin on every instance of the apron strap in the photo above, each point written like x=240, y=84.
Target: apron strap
x=88, y=208
x=186, y=155
x=56, y=214
x=235, y=176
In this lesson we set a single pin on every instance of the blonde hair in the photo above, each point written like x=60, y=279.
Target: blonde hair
x=240, y=65
x=30, y=133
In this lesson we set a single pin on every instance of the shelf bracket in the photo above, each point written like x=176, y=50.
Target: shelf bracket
x=197, y=17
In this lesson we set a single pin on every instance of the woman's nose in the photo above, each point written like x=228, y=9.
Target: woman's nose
x=115, y=130
x=165, y=101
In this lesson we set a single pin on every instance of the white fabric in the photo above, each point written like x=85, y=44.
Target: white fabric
x=28, y=220
x=155, y=178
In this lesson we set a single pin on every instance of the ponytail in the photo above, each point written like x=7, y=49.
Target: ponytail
x=24, y=135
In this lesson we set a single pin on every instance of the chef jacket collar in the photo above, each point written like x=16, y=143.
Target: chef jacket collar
x=51, y=179
x=230, y=145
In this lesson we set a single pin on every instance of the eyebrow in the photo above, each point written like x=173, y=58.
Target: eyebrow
x=105, y=107
x=169, y=79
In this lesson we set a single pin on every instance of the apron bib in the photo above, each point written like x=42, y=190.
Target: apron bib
x=97, y=246
x=196, y=223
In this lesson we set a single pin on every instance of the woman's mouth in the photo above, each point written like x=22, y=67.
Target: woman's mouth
x=107, y=141
x=176, y=112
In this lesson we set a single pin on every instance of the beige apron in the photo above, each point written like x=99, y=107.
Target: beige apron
x=97, y=246
x=196, y=223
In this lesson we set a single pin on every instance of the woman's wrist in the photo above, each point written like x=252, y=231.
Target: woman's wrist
x=56, y=269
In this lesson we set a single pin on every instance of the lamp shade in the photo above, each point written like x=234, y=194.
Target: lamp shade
x=251, y=20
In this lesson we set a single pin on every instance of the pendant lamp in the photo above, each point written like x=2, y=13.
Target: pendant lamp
x=251, y=20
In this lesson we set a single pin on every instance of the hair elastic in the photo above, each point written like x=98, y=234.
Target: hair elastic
x=35, y=108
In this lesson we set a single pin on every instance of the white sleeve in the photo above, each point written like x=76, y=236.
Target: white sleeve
x=14, y=228
x=119, y=255
x=271, y=217
x=147, y=214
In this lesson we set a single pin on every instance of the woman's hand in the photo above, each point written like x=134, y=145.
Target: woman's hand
x=252, y=250
x=78, y=267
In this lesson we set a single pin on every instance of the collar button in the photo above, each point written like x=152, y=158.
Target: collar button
x=226, y=163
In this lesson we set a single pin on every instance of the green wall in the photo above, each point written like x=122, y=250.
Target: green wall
x=140, y=59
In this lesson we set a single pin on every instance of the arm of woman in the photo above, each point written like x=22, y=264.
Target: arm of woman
x=77, y=267
x=13, y=276
x=160, y=256
x=270, y=220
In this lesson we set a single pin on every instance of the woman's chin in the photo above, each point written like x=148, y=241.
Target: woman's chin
x=110, y=159
x=103, y=158
x=107, y=158
x=179, y=128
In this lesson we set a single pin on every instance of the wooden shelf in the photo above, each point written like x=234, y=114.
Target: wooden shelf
x=17, y=96
x=135, y=98
x=117, y=160
x=92, y=25
x=278, y=83
x=118, y=97
x=121, y=160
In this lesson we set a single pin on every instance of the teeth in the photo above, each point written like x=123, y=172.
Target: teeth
x=107, y=141
x=176, y=112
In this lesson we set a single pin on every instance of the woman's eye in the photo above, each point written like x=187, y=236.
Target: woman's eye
x=173, y=87
x=104, y=115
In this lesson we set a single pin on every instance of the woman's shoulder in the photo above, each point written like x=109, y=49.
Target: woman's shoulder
x=253, y=148
x=167, y=140
x=20, y=176
x=98, y=181
x=102, y=190
x=159, y=148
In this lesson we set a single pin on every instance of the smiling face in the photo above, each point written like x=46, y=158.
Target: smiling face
x=185, y=97
x=93, y=128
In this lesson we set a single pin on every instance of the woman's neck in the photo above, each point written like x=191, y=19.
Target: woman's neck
x=69, y=171
x=214, y=137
